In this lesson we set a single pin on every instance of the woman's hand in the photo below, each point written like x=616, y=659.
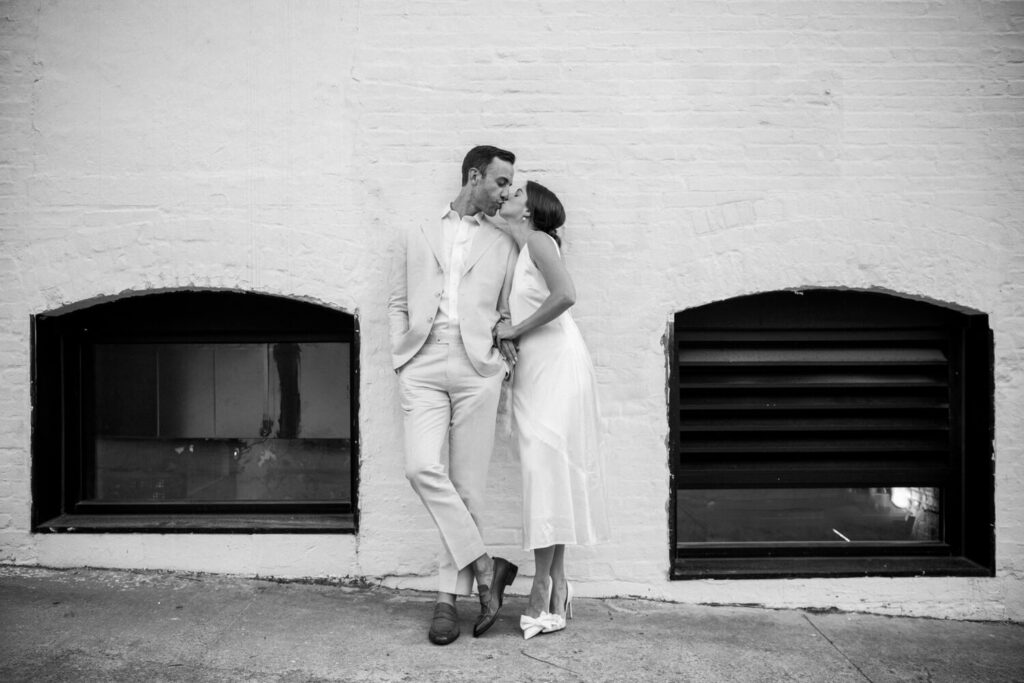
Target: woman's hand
x=504, y=339
x=504, y=330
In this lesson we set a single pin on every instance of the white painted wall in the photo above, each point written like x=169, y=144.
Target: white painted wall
x=703, y=150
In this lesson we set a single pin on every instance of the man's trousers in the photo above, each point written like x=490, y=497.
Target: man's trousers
x=444, y=399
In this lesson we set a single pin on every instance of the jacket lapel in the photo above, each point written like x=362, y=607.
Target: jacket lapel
x=432, y=233
x=484, y=239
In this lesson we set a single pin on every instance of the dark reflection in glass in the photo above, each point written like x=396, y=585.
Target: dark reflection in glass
x=126, y=376
x=222, y=422
x=140, y=470
x=286, y=358
x=844, y=515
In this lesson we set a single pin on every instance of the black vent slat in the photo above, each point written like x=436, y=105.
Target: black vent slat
x=792, y=381
x=810, y=336
x=810, y=356
x=838, y=404
x=816, y=424
x=878, y=445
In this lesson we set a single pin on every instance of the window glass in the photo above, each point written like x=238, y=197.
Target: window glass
x=221, y=422
x=813, y=515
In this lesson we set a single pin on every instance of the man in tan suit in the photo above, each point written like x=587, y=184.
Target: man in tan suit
x=449, y=288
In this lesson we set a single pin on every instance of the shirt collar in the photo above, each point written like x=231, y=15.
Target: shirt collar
x=449, y=211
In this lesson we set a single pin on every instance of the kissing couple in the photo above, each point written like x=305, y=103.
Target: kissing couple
x=480, y=296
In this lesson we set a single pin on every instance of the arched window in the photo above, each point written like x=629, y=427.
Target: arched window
x=830, y=433
x=195, y=411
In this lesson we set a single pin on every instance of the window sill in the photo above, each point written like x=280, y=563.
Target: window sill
x=823, y=567
x=202, y=524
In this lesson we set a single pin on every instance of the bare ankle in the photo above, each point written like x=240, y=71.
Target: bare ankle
x=559, y=591
x=539, y=595
x=483, y=567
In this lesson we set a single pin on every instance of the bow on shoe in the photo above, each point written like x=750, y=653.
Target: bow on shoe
x=545, y=623
x=557, y=623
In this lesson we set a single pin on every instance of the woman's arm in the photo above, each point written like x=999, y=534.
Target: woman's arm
x=562, y=294
x=506, y=346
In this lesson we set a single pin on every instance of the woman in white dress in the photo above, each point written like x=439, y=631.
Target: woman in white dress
x=554, y=408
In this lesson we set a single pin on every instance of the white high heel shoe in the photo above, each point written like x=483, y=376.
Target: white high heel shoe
x=557, y=620
x=542, y=624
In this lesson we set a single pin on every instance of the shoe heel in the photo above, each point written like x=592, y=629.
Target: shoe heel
x=510, y=576
x=568, y=600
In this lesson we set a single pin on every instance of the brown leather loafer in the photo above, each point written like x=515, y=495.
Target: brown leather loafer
x=492, y=596
x=444, y=627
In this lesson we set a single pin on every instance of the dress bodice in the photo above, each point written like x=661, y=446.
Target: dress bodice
x=529, y=290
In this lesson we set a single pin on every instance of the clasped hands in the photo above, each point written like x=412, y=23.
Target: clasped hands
x=503, y=339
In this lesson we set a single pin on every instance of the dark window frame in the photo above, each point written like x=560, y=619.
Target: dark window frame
x=968, y=544
x=60, y=441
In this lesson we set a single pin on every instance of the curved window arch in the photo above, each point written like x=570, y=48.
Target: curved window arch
x=827, y=432
x=195, y=411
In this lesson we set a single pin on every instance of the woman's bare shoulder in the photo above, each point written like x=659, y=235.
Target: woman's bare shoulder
x=538, y=240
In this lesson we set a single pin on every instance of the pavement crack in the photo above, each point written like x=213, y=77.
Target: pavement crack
x=836, y=648
x=238, y=616
x=544, y=661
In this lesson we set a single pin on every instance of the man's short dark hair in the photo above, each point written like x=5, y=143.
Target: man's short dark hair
x=480, y=158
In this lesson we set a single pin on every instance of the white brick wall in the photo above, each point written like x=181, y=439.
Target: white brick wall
x=703, y=150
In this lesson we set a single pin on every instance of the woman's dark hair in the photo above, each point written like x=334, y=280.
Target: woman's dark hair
x=480, y=158
x=546, y=211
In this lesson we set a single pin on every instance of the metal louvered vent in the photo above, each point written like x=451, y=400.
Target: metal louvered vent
x=765, y=399
x=830, y=432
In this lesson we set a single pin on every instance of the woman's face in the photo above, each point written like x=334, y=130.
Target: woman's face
x=514, y=207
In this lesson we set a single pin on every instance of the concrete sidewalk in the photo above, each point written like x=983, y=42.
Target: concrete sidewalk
x=98, y=625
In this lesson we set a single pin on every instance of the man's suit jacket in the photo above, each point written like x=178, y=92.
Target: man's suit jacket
x=417, y=279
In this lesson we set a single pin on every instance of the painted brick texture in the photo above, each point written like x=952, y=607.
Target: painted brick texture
x=703, y=150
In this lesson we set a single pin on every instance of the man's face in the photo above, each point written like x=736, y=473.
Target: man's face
x=491, y=189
